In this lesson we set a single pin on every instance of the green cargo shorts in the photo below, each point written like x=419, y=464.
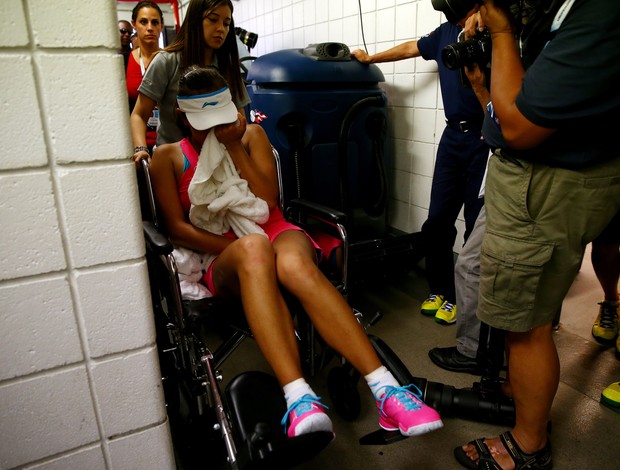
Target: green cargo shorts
x=539, y=221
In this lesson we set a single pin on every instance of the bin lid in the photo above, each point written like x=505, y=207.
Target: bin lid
x=324, y=62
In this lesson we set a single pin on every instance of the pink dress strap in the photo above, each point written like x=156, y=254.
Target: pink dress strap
x=186, y=178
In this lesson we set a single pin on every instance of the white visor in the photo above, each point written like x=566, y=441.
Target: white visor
x=207, y=111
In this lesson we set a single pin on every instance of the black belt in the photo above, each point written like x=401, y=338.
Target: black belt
x=464, y=126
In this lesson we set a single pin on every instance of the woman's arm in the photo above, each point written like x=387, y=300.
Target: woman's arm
x=252, y=155
x=166, y=169
x=139, y=117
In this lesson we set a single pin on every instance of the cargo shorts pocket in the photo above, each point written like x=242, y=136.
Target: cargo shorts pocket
x=511, y=269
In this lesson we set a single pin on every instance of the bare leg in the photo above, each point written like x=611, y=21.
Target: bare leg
x=247, y=268
x=606, y=264
x=327, y=309
x=534, y=376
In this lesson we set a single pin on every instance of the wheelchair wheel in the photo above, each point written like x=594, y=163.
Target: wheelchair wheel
x=342, y=388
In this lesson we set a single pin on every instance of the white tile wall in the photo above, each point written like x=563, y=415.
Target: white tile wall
x=79, y=377
x=89, y=457
x=98, y=231
x=39, y=331
x=119, y=320
x=31, y=240
x=412, y=86
x=45, y=415
x=13, y=31
x=140, y=451
x=65, y=25
x=79, y=104
x=21, y=111
x=129, y=400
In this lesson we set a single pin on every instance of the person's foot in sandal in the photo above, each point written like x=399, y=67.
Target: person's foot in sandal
x=502, y=453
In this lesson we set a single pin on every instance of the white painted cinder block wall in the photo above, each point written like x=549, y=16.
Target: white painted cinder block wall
x=79, y=376
x=414, y=98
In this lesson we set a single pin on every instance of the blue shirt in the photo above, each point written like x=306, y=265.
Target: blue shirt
x=459, y=102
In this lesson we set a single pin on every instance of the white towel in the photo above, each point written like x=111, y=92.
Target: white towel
x=191, y=267
x=220, y=199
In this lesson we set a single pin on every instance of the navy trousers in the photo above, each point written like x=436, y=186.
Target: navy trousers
x=459, y=169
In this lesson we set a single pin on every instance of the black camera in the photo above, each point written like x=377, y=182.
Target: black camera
x=247, y=38
x=484, y=401
x=476, y=50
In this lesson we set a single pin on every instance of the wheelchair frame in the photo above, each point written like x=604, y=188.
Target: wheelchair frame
x=190, y=369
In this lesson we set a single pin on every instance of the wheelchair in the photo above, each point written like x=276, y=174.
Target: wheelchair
x=240, y=426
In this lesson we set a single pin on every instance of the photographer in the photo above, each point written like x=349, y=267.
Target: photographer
x=550, y=190
x=459, y=167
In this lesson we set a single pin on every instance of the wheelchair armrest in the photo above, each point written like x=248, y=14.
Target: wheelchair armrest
x=316, y=210
x=156, y=239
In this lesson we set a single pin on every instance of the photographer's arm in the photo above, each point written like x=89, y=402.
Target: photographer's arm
x=406, y=50
x=506, y=79
x=477, y=80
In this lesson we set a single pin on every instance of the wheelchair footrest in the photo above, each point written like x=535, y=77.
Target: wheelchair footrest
x=283, y=452
x=256, y=406
x=381, y=437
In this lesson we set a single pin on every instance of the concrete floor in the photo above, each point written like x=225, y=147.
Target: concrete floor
x=585, y=434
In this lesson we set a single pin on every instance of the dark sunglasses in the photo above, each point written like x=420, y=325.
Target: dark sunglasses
x=125, y=31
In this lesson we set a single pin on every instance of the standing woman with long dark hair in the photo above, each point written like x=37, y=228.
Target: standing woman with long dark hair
x=205, y=38
x=147, y=19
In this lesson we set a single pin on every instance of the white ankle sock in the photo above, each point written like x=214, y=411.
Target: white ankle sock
x=380, y=378
x=293, y=391
x=296, y=389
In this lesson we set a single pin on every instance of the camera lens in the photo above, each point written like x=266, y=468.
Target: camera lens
x=451, y=57
x=465, y=53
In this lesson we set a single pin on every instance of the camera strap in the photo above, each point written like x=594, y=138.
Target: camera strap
x=536, y=20
x=561, y=15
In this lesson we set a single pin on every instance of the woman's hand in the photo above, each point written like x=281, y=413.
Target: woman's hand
x=139, y=155
x=230, y=134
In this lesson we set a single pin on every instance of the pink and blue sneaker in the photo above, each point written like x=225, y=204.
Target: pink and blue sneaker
x=400, y=408
x=306, y=415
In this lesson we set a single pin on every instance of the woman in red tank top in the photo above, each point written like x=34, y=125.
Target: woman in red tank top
x=148, y=21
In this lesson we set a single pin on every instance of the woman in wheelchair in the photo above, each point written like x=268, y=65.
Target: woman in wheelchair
x=264, y=254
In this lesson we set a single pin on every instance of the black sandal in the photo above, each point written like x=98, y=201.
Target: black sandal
x=540, y=460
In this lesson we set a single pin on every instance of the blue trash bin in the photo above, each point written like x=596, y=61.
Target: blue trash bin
x=326, y=115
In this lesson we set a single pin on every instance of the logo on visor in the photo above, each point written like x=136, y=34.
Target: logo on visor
x=210, y=103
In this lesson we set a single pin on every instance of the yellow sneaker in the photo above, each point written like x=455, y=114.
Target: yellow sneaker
x=446, y=315
x=611, y=395
x=605, y=328
x=432, y=304
x=618, y=347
